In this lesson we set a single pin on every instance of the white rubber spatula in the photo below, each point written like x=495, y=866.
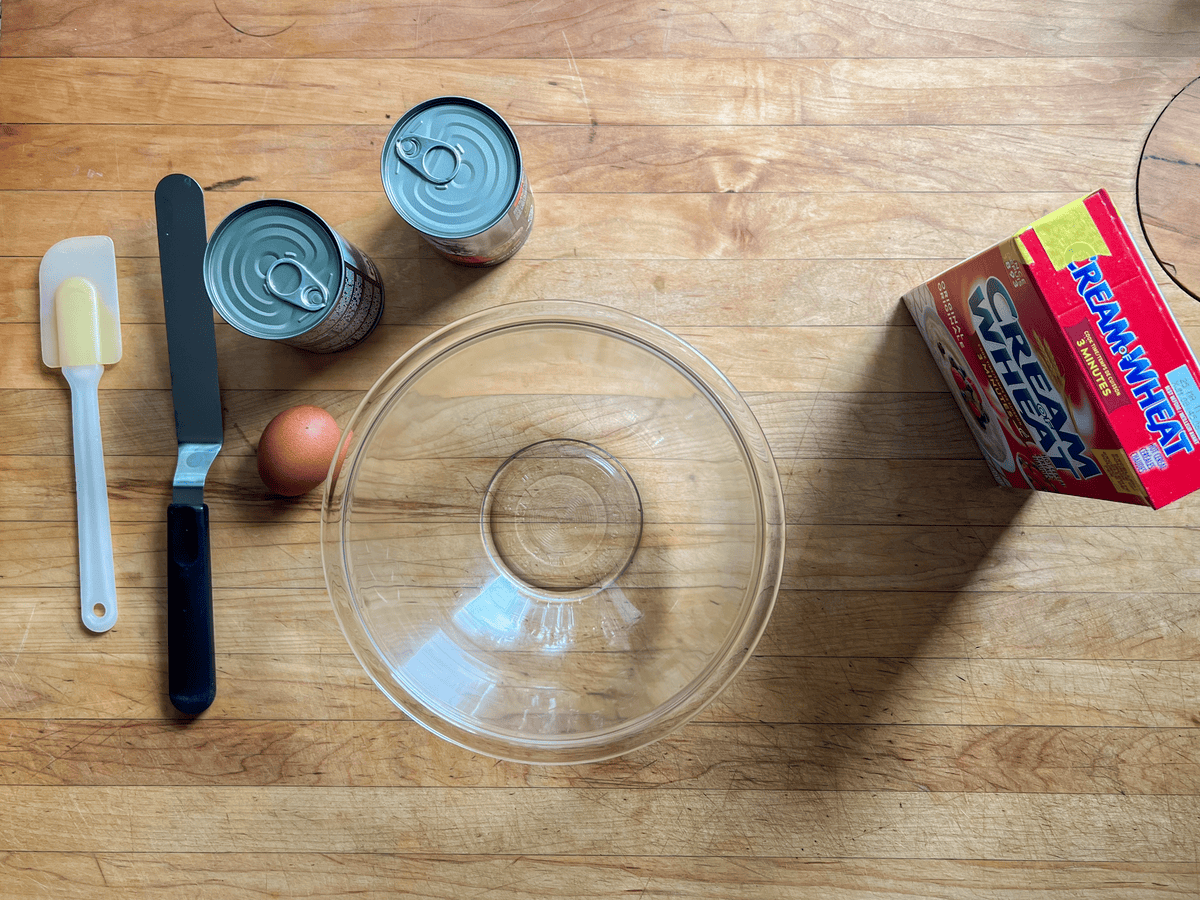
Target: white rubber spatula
x=81, y=333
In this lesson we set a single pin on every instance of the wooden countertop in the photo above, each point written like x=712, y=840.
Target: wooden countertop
x=1168, y=184
x=965, y=692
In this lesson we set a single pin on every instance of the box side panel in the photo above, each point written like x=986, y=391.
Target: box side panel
x=939, y=335
x=970, y=317
x=1126, y=347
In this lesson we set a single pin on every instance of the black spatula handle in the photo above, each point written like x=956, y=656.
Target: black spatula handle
x=191, y=659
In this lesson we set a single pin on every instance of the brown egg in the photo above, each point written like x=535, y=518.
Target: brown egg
x=296, y=448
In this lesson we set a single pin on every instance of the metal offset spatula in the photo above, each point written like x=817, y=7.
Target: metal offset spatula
x=81, y=333
x=192, y=348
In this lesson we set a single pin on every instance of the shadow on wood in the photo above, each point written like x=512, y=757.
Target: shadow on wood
x=881, y=544
x=415, y=288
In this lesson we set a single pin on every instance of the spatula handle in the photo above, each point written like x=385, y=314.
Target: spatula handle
x=191, y=657
x=97, y=579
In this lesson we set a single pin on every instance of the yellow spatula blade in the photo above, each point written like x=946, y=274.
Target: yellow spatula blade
x=86, y=329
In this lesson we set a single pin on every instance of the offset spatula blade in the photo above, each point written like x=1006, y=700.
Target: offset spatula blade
x=191, y=338
x=192, y=348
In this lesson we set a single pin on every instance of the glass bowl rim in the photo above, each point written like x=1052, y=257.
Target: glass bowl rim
x=744, y=635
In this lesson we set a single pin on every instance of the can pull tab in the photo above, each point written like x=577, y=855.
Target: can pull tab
x=296, y=285
x=424, y=155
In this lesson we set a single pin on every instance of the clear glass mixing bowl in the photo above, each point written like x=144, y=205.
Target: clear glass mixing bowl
x=557, y=534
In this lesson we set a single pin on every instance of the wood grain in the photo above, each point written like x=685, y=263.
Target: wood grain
x=664, y=822
x=703, y=756
x=850, y=492
x=819, y=557
x=983, y=624
x=1167, y=186
x=805, y=424
x=432, y=292
x=566, y=90
x=575, y=159
x=616, y=28
x=773, y=690
x=963, y=691
x=598, y=226
x=759, y=359
x=376, y=875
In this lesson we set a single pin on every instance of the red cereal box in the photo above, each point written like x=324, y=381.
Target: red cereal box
x=1066, y=361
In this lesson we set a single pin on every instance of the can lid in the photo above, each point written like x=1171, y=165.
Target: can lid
x=451, y=167
x=273, y=269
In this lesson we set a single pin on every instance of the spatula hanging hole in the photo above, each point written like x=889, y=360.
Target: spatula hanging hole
x=99, y=610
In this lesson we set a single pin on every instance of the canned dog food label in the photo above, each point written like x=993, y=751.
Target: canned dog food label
x=452, y=169
x=275, y=270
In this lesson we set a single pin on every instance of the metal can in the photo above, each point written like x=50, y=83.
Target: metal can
x=275, y=270
x=452, y=169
